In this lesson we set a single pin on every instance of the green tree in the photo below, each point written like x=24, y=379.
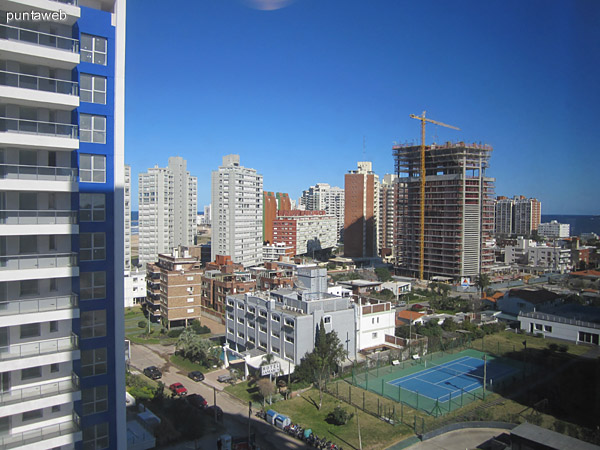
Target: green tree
x=483, y=281
x=191, y=346
x=383, y=274
x=266, y=388
x=326, y=356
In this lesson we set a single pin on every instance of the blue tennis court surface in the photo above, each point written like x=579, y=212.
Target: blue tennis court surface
x=448, y=380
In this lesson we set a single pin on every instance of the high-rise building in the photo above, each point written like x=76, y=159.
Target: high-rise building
x=62, y=92
x=387, y=220
x=323, y=197
x=237, y=213
x=459, y=209
x=127, y=192
x=361, y=212
x=504, y=217
x=528, y=215
x=273, y=203
x=167, y=209
x=305, y=231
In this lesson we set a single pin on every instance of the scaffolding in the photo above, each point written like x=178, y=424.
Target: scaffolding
x=459, y=209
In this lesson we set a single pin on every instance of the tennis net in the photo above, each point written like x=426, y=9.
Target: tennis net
x=450, y=371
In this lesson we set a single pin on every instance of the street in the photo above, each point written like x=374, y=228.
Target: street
x=235, y=413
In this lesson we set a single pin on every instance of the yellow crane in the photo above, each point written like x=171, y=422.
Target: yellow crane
x=423, y=120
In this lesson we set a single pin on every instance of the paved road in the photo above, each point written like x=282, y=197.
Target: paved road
x=459, y=439
x=235, y=413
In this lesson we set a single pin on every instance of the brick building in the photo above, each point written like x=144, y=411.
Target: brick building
x=223, y=277
x=173, y=288
x=272, y=276
x=361, y=212
x=273, y=202
x=305, y=231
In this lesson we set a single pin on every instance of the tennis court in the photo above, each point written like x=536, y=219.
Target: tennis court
x=450, y=380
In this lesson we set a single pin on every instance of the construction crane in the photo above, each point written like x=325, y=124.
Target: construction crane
x=423, y=120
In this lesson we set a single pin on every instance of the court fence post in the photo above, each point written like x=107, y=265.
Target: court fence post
x=402, y=412
x=378, y=413
x=462, y=391
x=382, y=387
x=450, y=402
x=417, y=399
x=399, y=394
x=394, y=412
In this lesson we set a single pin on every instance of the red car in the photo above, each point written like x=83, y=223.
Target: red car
x=178, y=389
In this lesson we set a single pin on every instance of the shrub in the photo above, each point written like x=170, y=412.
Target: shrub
x=142, y=324
x=339, y=416
x=553, y=347
x=175, y=332
x=559, y=426
x=563, y=348
x=198, y=328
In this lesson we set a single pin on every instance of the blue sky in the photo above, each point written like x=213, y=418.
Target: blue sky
x=295, y=90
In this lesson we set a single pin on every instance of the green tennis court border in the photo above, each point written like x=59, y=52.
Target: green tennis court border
x=376, y=380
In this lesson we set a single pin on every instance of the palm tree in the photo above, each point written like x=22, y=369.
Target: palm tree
x=483, y=281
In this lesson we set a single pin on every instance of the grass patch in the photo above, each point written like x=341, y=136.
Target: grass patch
x=509, y=341
x=188, y=366
x=245, y=391
x=137, y=335
x=375, y=433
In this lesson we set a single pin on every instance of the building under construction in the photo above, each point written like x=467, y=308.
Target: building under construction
x=459, y=209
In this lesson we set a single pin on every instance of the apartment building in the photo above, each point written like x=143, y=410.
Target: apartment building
x=361, y=212
x=305, y=231
x=272, y=204
x=388, y=193
x=553, y=229
x=167, y=209
x=459, y=209
x=285, y=322
x=504, y=216
x=323, y=197
x=237, y=213
x=62, y=226
x=223, y=277
x=277, y=252
x=527, y=215
x=173, y=293
x=272, y=276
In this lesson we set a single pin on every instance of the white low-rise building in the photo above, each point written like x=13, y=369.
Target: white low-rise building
x=135, y=287
x=397, y=287
x=555, y=258
x=374, y=320
x=553, y=229
x=559, y=327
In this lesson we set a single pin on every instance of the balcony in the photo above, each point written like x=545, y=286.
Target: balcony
x=32, y=90
x=43, y=173
x=12, y=33
x=35, y=133
x=39, y=348
x=39, y=391
x=28, y=438
x=37, y=261
x=37, y=305
x=37, y=217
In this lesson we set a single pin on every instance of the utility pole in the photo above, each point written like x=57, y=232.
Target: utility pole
x=358, y=425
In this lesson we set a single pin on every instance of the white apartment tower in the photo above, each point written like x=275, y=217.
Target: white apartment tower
x=387, y=218
x=237, y=212
x=127, y=192
x=167, y=209
x=62, y=94
x=323, y=197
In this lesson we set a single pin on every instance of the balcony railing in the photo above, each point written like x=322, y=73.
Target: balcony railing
x=37, y=392
x=37, y=217
x=38, y=348
x=41, y=434
x=67, y=130
x=12, y=307
x=36, y=261
x=46, y=173
x=26, y=81
x=36, y=37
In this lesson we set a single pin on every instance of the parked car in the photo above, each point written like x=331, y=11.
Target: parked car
x=153, y=373
x=224, y=378
x=196, y=375
x=197, y=401
x=178, y=389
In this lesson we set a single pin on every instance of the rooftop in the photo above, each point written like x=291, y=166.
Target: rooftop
x=535, y=296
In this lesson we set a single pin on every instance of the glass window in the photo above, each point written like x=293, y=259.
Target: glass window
x=32, y=415
x=93, y=324
x=92, y=88
x=92, y=128
x=28, y=244
x=92, y=207
x=53, y=326
x=92, y=168
x=31, y=372
x=95, y=437
x=92, y=246
x=30, y=330
x=29, y=287
x=93, y=49
x=92, y=285
x=94, y=400
x=93, y=362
